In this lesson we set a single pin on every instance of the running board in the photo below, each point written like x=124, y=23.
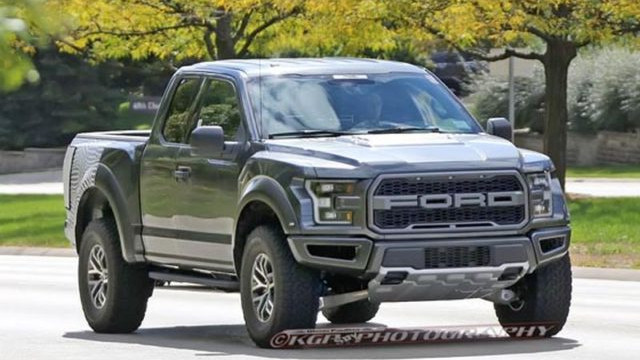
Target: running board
x=204, y=279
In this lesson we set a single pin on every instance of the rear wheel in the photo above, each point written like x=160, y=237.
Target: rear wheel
x=276, y=292
x=544, y=297
x=113, y=293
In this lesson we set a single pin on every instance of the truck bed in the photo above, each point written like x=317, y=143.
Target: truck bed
x=135, y=135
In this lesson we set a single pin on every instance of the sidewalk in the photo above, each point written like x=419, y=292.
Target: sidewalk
x=596, y=187
x=50, y=182
x=43, y=182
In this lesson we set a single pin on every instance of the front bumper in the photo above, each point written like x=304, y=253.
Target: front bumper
x=412, y=270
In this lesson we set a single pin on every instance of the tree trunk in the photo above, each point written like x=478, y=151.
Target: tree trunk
x=556, y=68
x=225, y=45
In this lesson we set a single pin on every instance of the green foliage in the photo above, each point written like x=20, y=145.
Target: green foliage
x=71, y=96
x=19, y=20
x=603, y=94
x=490, y=98
x=604, y=91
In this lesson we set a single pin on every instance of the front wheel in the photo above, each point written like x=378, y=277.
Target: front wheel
x=113, y=293
x=277, y=293
x=544, y=297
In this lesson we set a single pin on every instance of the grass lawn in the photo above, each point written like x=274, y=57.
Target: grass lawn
x=618, y=171
x=32, y=220
x=606, y=231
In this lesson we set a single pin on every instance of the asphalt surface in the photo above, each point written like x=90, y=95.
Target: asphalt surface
x=50, y=182
x=40, y=318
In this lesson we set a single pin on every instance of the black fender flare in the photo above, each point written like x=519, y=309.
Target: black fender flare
x=269, y=191
x=130, y=240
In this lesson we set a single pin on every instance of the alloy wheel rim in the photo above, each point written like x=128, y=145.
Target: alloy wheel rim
x=98, y=276
x=262, y=287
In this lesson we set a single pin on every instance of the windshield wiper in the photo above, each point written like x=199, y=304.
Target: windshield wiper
x=309, y=133
x=398, y=130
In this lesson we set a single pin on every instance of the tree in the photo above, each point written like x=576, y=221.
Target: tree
x=554, y=29
x=216, y=29
x=73, y=96
x=19, y=19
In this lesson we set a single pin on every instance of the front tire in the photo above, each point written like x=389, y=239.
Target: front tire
x=113, y=293
x=277, y=293
x=545, y=297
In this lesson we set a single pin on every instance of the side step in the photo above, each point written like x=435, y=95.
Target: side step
x=225, y=282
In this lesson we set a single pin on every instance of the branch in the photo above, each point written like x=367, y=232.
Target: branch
x=539, y=33
x=243, y=26
x=209, y=44
x=635, y=29
x=61, y=40
x=504, y=55
x=252, y=35
x=140, y=33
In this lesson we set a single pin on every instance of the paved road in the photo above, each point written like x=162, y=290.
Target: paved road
x=40, y=318
x=49, y=182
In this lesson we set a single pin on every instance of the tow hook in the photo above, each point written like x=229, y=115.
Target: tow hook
x=503, y=297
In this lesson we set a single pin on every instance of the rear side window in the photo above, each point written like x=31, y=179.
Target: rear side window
x=178, y=116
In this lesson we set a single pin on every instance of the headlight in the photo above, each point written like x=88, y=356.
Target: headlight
x=333, y=200
x=540, y=194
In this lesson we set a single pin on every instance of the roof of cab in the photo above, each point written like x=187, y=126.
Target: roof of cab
x=303, y=66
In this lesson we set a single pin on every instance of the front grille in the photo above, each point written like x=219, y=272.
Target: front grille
x=406, y=213
x=439, y=218
x=456, y=257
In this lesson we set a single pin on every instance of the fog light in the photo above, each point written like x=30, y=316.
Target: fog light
x=336, y=216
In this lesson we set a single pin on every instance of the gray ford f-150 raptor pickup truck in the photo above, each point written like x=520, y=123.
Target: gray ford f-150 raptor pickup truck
x=312, y=185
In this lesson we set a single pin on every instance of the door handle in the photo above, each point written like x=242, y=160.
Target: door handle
x=182, y=173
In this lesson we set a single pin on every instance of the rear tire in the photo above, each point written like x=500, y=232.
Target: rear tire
x=113, y=293
x=290, y=291
x=355, y=312
x=545, y=297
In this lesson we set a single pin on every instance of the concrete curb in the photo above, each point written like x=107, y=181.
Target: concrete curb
x=606, y=273
x=578, y=271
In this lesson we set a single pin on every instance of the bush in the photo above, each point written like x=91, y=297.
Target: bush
x=604, y=91
x=73, y=96
x=490, y=98
x=603, y=94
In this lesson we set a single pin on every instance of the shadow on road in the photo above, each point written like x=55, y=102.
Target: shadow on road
x=234, y=340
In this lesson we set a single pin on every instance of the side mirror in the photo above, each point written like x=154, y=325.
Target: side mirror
x=207, y=141
x=500, y=127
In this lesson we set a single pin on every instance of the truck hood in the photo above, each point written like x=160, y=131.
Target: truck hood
x=407, y=152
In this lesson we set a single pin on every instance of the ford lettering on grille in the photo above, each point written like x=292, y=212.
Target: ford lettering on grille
x=437, y=201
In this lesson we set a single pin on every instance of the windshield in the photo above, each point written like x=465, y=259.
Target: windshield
x=345, y=104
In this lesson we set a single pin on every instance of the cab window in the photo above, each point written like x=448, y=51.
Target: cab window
x=219, y=106
x=178, y=115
